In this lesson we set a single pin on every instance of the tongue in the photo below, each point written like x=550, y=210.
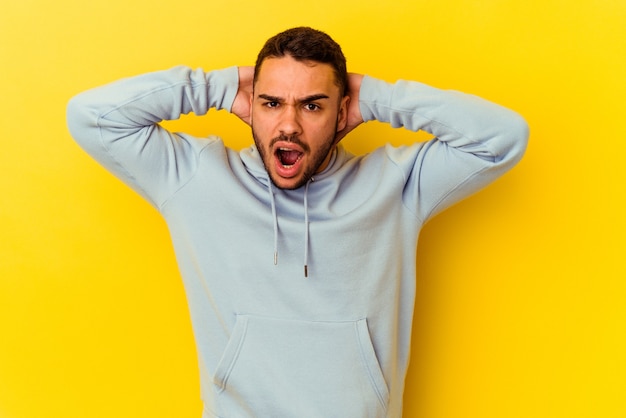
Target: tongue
x=289, y=157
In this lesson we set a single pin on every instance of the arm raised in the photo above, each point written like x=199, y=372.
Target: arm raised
x=118, y=125
x=476, y=141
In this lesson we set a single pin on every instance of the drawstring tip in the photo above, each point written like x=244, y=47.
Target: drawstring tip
x=306, y=271
x=275, y=257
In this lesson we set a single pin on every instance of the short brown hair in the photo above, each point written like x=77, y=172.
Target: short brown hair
x=306, y=44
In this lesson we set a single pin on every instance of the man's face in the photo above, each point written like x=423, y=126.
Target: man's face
x=297, y=110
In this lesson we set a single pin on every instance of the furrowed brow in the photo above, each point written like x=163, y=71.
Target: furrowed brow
x=313, y=98
x=307, y=99
x=270, y=98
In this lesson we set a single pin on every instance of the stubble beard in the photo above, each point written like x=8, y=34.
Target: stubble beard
x=315, y=160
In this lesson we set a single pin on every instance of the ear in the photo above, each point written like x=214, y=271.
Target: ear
x=342, y=116
x=250, y=100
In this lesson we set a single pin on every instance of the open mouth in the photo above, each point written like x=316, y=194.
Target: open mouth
x=288, y=157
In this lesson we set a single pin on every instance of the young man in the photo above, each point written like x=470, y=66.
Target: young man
x=298, y=258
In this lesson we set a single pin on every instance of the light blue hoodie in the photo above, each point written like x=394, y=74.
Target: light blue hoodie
x=272, y=343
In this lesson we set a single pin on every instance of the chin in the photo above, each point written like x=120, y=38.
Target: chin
x=288, y=183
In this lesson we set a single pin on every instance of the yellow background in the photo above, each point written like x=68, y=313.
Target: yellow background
x=521, y=306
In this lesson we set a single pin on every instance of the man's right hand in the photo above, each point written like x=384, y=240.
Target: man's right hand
x=241, y=105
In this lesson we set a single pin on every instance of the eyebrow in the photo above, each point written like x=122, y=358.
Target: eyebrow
x=306, y=99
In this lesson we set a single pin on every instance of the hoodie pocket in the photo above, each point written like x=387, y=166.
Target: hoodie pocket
x=288, y=368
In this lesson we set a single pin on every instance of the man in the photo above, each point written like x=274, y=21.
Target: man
x=298, y=258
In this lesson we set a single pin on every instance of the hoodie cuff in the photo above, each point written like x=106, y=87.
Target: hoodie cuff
x=224, y=83
x=374, y=99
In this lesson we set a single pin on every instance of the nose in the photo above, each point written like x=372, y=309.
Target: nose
x=289, y=123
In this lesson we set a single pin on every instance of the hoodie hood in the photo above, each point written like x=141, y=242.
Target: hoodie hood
x=254, y=165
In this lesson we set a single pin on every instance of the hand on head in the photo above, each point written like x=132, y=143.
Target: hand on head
x=241, y=105
x=354, y=111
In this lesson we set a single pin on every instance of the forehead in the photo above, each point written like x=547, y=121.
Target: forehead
x=285, y=76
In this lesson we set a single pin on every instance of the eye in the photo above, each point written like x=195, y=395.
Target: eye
x=271, y=105
x=311, y=107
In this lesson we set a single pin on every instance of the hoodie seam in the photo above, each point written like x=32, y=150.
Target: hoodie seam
x=441, y=199
x=120, y=164
x=149, y=93
x=388, y=109
x=404, y=182
x=454, y=189
x=191, y=177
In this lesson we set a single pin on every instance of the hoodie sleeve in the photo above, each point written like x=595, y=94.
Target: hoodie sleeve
x=118, y=125
x=475, y=141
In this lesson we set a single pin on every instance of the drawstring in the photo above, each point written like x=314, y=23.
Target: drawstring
x=306, y=224
x=306, y=228
x=273, y=204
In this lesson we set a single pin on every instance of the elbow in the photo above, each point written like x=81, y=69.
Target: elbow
x=80, y=120
x=514, y=136
x=520, y=135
